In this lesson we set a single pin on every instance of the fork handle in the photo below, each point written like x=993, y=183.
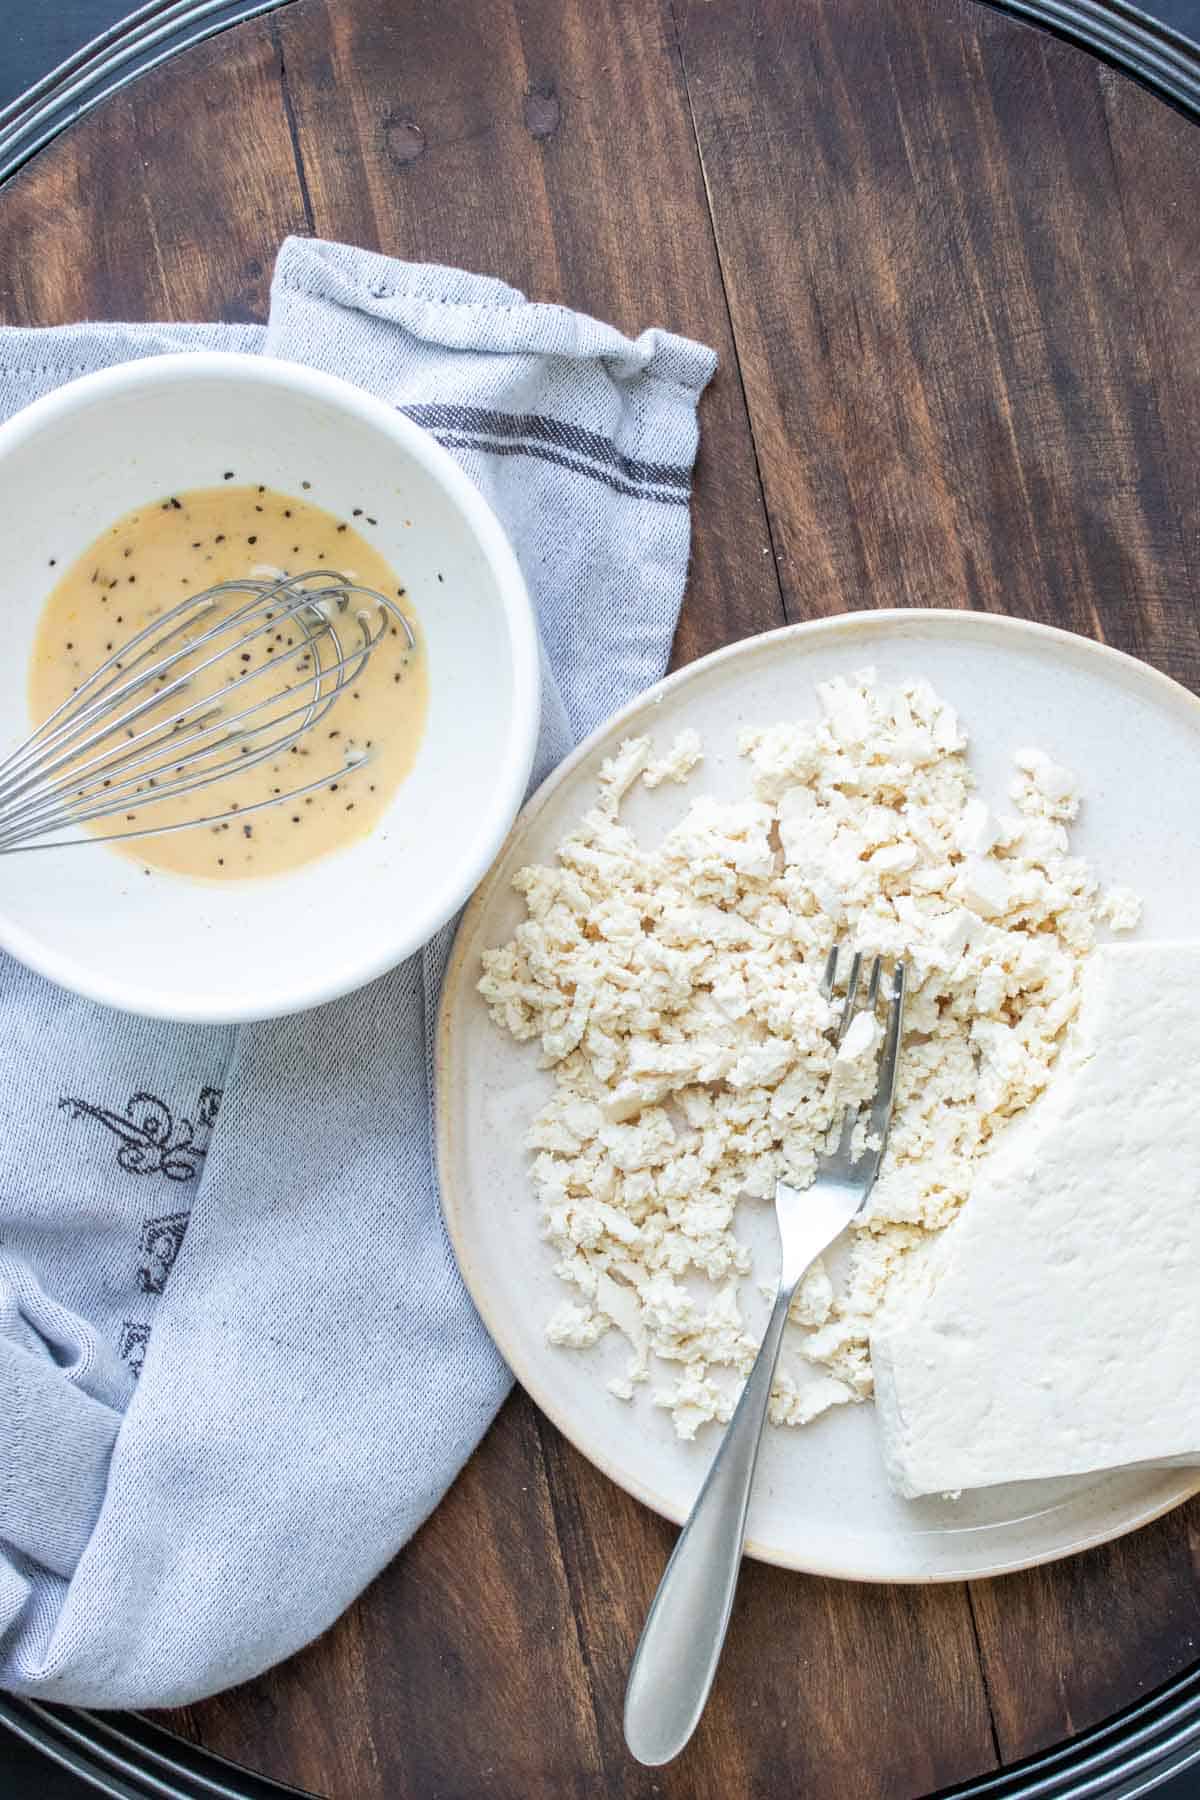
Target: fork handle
x=681, y=1640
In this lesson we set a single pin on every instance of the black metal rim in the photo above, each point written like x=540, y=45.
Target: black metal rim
x=158, y=30
x=129, y=1757
x=1126, y=38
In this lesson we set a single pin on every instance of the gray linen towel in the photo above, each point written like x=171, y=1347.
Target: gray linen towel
x=237, y=1364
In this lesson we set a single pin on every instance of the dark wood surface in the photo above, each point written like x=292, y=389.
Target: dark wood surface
x=950, y=267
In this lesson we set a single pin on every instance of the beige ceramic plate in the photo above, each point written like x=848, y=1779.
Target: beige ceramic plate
x=821, y=1501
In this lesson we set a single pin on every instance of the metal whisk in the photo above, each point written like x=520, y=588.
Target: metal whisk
x=121, y=738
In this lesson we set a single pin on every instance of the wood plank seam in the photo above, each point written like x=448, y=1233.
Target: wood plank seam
x=289, y=114
x=737, y=360
x=1107, y=80
x=983, y=1675
x=562, y=1537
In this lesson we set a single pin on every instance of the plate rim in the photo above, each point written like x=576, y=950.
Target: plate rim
x=859, y=623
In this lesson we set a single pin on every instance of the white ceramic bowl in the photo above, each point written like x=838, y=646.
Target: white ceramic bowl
x=71, y=464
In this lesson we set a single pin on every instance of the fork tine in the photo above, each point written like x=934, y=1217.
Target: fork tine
x=830, y=975
x=853, y=1114
x=881, y=1106
x=852, y=996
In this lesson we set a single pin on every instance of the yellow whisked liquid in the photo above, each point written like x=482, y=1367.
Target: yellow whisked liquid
x=147, y=562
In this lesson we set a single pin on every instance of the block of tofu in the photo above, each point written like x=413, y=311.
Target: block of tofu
x=1053, y=1328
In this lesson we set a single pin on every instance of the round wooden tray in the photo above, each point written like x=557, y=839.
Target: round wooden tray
x=947, y=260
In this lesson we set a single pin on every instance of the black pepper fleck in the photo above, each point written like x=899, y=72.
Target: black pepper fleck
x=306, y=484
x=229, y=474
x=357, y=514
x=371, y=521
x=252, y=540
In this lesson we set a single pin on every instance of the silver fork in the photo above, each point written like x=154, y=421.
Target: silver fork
x=681, y=1640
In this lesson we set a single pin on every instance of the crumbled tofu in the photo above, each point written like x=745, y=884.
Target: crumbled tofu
x=1120, y=909
x=674, y=992
x=1044, y=787
x=679, y=762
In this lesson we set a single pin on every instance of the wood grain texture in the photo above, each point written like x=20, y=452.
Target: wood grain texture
x=1157, y=159
x=167, y=204
x=549, y=143
x=952, y=393
x=1068, y=1645
x=459, y=1672
x=948, y=265
x=806, y=1664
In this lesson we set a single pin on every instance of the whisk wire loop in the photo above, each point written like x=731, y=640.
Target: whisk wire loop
x=99, y=751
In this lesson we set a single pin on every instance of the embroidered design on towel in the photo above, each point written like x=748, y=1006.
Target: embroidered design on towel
x=158, y=1248
x=152, y=1140
x=131, y=1345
